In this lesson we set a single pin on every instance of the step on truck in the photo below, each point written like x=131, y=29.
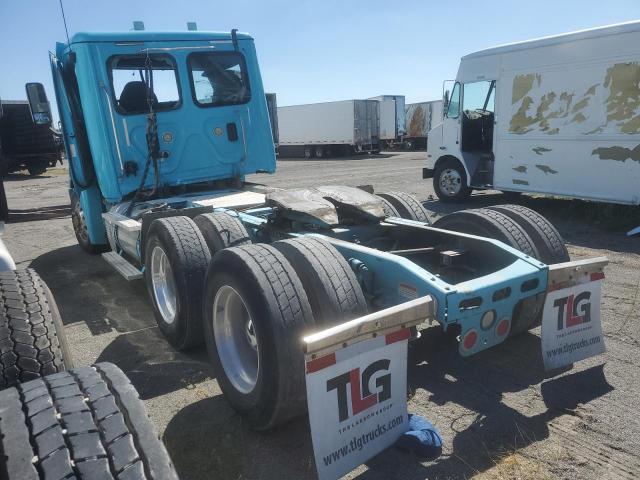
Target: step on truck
x=558, y=115
x=162, y=130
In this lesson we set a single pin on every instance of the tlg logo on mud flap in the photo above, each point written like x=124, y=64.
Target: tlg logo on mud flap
x=573, y=310
x=361, y=397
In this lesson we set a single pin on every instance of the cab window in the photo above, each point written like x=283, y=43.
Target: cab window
x=453, y=111
x=218, y=78
x=141, y=83
x=479, y=96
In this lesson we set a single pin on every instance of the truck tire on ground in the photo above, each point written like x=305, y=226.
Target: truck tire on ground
x=308, y=152
x=176, y=260
x=35, y=170
x=407, y=206
x=80, y=228
x=32, y=340
x=546, y=238
x=87, y=423
x=331, y=286
x=221, y=230
x=493, y=224
x=256, y=313
x=450, y=181
x=489, y=223
x=320, y=152
x=389, y=209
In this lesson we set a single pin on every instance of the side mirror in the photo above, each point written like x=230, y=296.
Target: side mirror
x=445, y=102
x=39, y=104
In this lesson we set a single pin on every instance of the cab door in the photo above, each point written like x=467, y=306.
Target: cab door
x=451, y=122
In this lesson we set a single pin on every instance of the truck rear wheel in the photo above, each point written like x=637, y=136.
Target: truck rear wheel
x=87, y=423
x=450, y=181
x=256, y=312
x=176, y=260
x=331, y=286
x=32, y=339
x=491, y=224
x=546, y=238
x=407, y=206
x=221, y=230
x=80, y=228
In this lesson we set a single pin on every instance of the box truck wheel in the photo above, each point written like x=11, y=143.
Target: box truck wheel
x=221, y=230
x=87, y=423
x=546, y=238
x=329, y=282
x=450, y=181
x=80, y=227
x=32, y=339
x=176, y=260
x=407, y=206
x=256, y=313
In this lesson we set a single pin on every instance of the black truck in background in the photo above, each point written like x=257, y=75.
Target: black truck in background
x=25, y=142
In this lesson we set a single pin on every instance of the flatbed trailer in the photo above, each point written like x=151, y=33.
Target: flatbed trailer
x=159, y=187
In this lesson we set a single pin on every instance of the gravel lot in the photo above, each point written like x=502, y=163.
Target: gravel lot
x=500, y=414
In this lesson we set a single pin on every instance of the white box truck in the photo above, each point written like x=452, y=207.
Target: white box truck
x=331, y=128
x=559, y=115
x=392, y=120
x=419, y=119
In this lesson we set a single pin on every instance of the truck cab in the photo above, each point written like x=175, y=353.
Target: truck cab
x=147, y=111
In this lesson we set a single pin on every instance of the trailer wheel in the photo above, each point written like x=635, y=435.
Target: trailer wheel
x=491, y=224
x=176, y=260
x=407, y=205
x=450, y=181
x=320, y=153
x=256, y=312
x=32, y=339
x=329, y=282
x=308, y=152
x=87, y=423
x=221, y=230
x=389, y=209
x=35, y=170
x=546, y=238
x=80, y=228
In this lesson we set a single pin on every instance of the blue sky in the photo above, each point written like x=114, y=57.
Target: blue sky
x=312, y=51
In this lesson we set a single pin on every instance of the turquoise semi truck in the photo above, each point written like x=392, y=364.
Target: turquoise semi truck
x=162, y=130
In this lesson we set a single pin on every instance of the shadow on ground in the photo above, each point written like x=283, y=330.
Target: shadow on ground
x=38, y=214
x=208, y=438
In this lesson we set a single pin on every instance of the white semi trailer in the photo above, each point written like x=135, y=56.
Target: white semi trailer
x=392, y=120
x=419, y=119
x=330, y=128
x=559, y=115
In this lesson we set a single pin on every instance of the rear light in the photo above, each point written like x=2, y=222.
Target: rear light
x=470, y=339
x=487, y=320
x=503, y=327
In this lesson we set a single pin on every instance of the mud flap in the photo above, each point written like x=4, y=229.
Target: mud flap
x=571, y=323
x=356, y=378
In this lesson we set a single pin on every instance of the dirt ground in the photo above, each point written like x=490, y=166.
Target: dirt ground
x=500, y=414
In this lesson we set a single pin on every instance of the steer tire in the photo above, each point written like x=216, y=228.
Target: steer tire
x=407, y=206
x=221, y=230
x=86, y=423
x=492, y=224
x=32, y=340
x=188, y=256
x=331, y=286
x=389, y=209
x=280, y=315
x=546, y=238
x=80, y=229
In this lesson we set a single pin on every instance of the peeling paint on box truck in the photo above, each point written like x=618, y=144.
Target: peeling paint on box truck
x=573, y=99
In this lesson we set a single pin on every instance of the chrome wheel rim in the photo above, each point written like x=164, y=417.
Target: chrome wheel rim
x=164, y=285
x=235, y=337
x=79, y=224
x=450, y=181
